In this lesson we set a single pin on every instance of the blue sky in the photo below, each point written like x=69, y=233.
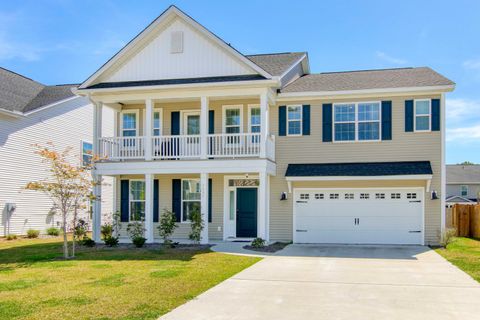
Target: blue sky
x=63, y=41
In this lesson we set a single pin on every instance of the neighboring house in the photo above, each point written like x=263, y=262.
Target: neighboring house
x=33, y=113
x=265, y=148
x=463, y=184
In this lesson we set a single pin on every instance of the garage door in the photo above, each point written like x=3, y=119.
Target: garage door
x=358, y=216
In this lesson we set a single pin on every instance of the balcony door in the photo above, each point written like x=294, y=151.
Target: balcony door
x=190, y=145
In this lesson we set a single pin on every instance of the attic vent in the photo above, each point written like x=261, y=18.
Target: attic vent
x=176, y=43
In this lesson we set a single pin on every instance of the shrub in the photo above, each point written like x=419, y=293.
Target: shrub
x=447, y=236
x=31, y=233
x=81, y=229
x=87, y=242
x=258, y=243
x=53, y=231
x=111, y=241
x=136, y=230
x=196, y=224
x=11, y=236
x=106, y=230
x=167, y=225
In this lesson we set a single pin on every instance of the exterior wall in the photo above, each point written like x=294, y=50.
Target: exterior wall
x=456, y=190
x=65, y=125
x=404, y=146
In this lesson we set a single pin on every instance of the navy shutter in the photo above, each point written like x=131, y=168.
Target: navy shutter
x=211, y=122
x=177, y=198
x=124, y=201
x=175, y=123
x=386, y=120
x=435, y=114
x=327, y=127
x=408, y=115
x=306, y=120
x=282, y=121
x=209, y=200
x=155, y=200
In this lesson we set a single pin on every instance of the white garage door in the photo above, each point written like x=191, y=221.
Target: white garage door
x=358, y=216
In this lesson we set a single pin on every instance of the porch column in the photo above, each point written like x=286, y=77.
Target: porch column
x=203, y=127
x=149, y=207
x=97, y=126
x=263, y=124
x=204, y=206
x=97, y=209
x=148, y=129
x=263, y=204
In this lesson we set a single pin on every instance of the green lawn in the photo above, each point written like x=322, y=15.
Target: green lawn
x=104, y=284
x=465, y=254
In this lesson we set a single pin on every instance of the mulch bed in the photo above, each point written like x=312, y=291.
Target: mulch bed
x=271, y=248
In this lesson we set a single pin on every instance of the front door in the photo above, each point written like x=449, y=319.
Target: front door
x=246, y=212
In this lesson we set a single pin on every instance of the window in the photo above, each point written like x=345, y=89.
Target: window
x=232, y=205
x=87, y=153
x=190, y=197
x=333, y=196
x=294, y=120
x=422, y=115
x=129, y=123
x=379, y=195
x=254, y=121
x=304, y=196
x=319, y=196
x=357, y=121
x=157, y=122
x=137, y=200
x=395, y=196
x=411, y=196
x=349, y=196
x=464, y=191
x=364, y=195
x=232, y=119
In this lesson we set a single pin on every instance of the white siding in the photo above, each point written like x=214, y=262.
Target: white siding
x=200, y=57
x=65, y=125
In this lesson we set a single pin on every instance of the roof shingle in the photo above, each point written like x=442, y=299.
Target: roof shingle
x=463, y=174
x=276, y=63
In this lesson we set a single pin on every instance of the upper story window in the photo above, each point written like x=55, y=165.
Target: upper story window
x=464, y=191
x=294, y=120
x=157, y=122
x=129, y=123
x=254, y=119
x=137, y=200
x=190, y=197
x=87, y=153
x=357, y=121
x=232, y=119
x=423, y=115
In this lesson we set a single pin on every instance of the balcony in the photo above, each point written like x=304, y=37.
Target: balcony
x=187, y=147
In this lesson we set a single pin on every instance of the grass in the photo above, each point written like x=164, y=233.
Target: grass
x=121, y=283
x=465, y=254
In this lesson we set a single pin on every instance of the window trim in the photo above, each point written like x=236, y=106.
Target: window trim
x=224, y=116
x=356, y=122
x=301, y=121
x=160, y=120
x=137, y=119
x=423, y=115
x=130, y=199
x=181, y=199
x=85, y=154
x=461, y=190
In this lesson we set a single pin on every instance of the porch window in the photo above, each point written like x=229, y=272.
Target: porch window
x=294, y=120
x=233, y=120
x=254, y=122
x=190, y=197
x=137, y=200
x=157, y=123
x=87, y=153
x=422, y=115
x=129, y=124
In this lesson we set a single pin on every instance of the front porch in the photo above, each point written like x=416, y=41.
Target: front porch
x=232, y=205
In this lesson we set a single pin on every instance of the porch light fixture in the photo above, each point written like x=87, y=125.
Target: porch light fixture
x=434, y=195
x=283, y=196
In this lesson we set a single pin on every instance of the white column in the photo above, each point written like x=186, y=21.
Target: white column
x=149, y=207
x=97, y=126
x=262, y=205
x=148, y=129
x=204, y=206
x=263, y=124
x=203, y=127
x=443, y=170
x=97, y=209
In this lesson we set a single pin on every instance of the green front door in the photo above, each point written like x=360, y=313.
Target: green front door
x=246, y=212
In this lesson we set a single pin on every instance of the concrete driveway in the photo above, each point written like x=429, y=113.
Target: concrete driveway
x=341, y=282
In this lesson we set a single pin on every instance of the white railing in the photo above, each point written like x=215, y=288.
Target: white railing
x=234, y=145
x=176, y=147
x=119, y=148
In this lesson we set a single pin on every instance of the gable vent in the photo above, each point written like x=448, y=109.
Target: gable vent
x=176, y=43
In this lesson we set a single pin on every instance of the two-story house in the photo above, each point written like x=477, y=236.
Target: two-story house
x=463, y=184
x=265, y=148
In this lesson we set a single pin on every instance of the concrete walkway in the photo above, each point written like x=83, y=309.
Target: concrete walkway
x=341, y=282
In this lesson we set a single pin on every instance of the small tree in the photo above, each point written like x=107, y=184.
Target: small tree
x=69, y=185
x=196, y=224
x=136, y=230
x=167, y=225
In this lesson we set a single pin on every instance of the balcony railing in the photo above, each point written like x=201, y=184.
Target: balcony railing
x=237, y=145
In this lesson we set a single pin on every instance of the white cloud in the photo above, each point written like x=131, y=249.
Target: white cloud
x=464, y=134
x=473, y=64
x=462, y=109
x=388, y=58
x=463, y=120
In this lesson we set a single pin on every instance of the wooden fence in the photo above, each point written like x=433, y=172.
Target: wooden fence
x=465, y=218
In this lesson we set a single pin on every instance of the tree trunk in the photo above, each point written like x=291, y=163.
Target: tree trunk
x=65, y=239
x=74, y=231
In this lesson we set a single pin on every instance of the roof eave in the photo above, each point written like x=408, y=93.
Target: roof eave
x=13, y=114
